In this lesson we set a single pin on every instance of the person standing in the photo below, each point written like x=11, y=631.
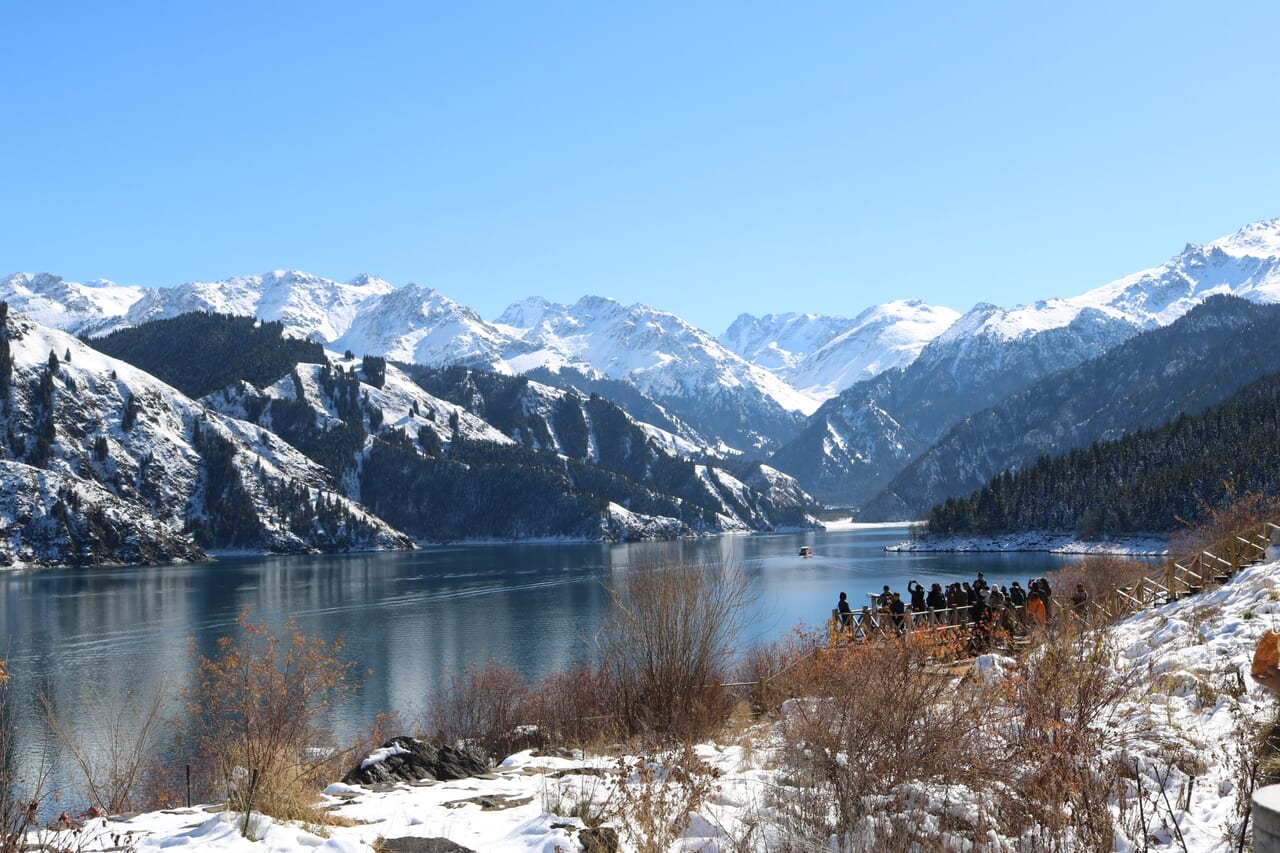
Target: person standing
x=845, y=612
x=898, y=608
x=917, y=596
x=1080, y=601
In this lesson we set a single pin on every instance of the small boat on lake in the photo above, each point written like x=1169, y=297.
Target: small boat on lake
x=806, y=551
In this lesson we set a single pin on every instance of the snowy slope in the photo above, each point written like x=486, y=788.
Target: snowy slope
x=1246, y=264
x=880, y=339
x=822, y=356
x=52, y=519
x=309, y=306
x=653, y=350
x=82, y=309
x=419, y=325
x=82, y=415
x=778, y=342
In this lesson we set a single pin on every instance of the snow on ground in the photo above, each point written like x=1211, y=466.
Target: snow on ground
x=850, y=524
x=1058, y=543
x=1194, y=655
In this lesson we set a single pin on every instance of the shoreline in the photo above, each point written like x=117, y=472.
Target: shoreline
x=1053, y=543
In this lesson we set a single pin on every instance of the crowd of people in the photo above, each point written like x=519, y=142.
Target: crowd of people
x=983, y=605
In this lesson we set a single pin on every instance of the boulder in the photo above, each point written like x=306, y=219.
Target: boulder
x=599, y=839
x=407, y=759
x=421, y=845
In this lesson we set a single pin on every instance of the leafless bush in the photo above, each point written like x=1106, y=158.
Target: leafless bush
x=668, y=643
x=18, y=802
x=1065, y=711
x=483, y=706
x=1217, y=524
x=112, y=757
x=575, y=708
x=762, y=666
x=654, y=799
x=1253, y=756
x=1099, y=573
x=874, y=722
x=255, y=708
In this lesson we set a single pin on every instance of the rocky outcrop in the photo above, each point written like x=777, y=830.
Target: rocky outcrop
x=407, y=759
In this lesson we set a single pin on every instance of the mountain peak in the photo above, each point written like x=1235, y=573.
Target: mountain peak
x=1257, y=239
x=524, y=314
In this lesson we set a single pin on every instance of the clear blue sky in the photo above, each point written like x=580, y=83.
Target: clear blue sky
x=705, y=158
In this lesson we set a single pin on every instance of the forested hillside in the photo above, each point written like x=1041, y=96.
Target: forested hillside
x=198, y=353
x=1200, y=360
x=1146, y=482
x=458, y=454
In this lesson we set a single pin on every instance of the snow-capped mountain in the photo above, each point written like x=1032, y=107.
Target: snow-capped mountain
x=448, y=453
x=778, y=342
x=1195, y=362
x=992, y=352
x=81, y=309
x=143, y=473
x=915, y=368
x=309, y=306
x=668, y=360
x=731, y=495
x=419, y=325
x=822, y=356
x=1244, y=264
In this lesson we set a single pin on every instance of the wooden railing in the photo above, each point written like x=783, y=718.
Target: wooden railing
x=1204, y=569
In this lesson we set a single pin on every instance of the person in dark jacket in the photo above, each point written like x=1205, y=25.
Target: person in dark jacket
x=845, y=611
x=1046, y=596
x=898, y=608
x=1080, y=601
x=937, y=599
x=917, y=596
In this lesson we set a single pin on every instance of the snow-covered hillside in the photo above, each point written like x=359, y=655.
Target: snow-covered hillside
x=102, y=425
x=822, y=356
x=81, y=309
x=991, y=353
x=308, y=305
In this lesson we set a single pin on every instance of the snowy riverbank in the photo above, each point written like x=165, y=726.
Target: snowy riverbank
x=1056, y=543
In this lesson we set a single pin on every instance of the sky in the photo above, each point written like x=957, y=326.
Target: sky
x=705, y=158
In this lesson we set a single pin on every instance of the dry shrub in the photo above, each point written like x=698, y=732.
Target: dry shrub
x=482, y=706
x=760, y=667
x=667, y=644
x=575, y=708
x=1218, y=524
x=1099, y=573
x=874, y=721
x=255, y=708
x=1065, y=711
x=654, y=799
x=112, y=747
x=18, y=803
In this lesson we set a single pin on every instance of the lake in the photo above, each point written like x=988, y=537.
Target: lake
x=125, y=632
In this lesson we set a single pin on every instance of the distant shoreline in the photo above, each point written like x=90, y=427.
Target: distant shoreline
x=1054, y=543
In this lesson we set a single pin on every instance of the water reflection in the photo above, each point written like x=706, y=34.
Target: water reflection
x=411, y=616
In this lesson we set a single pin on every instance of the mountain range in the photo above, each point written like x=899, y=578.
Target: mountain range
x=848, y=406
x=266, y=443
